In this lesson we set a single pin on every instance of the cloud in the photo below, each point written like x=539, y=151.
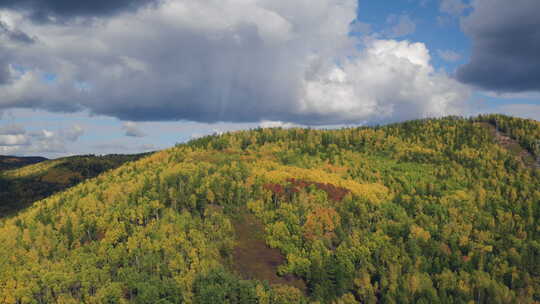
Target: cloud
x=232, y=61
x=453, y=7
x=14, y=34
x=12, y=136
x=506, y=42
x=14, y=139
x=5, y=74
x=12, y=129
x=394, y=80
x=62, y=10
x=72, y=134
x=403, y=25
x=362, y=28
x=449, y=55
x=132, y=129
x=277, y=124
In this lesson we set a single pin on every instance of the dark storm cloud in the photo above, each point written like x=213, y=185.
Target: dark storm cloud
x=13, y=34
x=58, y=10
x=506, y=46
x=5, y=74
x=226, y=61
x=9, y=35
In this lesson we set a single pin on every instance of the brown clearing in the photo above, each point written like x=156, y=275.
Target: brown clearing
x=334, y=193
x=253, y=259
x=512, y=145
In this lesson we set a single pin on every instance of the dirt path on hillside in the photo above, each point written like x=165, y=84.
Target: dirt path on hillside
x=513, y=146
x=253, y=259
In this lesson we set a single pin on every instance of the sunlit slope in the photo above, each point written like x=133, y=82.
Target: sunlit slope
x=22, y=186
x=33, y=169
x=431, y=211
x=14, y=162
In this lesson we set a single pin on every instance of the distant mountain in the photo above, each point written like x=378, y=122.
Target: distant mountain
x=41, y=177
x=14, y=162
x=426, y=211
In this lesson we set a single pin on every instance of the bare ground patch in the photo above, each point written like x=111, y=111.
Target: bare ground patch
x=253, y=259
x=512, y=145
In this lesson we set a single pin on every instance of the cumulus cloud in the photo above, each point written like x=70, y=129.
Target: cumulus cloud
x=449, y=55
x=15, y=139
x=235, y=61
x=72, y=134
x=132, y=130
x=506, y=43
x=12, y=136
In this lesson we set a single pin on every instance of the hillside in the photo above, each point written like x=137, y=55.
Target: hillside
x=426, y=211
x=14, y=162
x=41, y=177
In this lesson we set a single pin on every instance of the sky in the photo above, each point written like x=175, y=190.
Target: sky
x=130, y=76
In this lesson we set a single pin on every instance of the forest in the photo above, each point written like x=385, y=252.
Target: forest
x=24, y=180
x=14, y=162
x=425, y=211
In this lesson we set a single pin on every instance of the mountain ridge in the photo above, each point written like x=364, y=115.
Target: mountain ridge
x=8, y=162
x=433, y=210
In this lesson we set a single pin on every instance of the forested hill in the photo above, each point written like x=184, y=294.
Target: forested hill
x=427, y=211
x=40, y=177
x=14, y=162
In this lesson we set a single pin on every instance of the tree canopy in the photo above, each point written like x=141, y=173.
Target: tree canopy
x=426, y=211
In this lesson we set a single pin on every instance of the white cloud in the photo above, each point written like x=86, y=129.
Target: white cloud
x=359, y=27
x=15, y=139
x=393, y=80
x=132, y=129
x=277, y=124
x=230, y=60
x=72, y=134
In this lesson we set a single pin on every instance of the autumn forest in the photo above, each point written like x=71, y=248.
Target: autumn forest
x=426, y=211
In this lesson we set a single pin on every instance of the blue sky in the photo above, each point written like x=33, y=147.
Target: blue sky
x=122, y=85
